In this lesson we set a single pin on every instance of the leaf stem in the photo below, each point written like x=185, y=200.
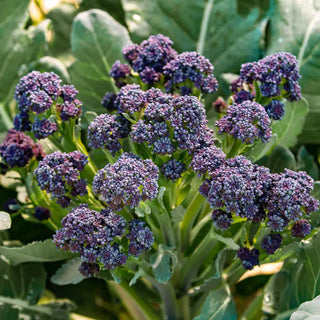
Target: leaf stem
x=204, y=26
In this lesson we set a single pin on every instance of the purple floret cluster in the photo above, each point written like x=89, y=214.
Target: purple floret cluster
x=99, y=236
x=36, y=94
x=59, y=174
x=106, y=130
x=277, y=72
x=170, y=123
x=249, y=257
x=207, y=160
x=271, y=242
x=150, y=57
x=17, y=149
x=288, y=198
x=127, y=182
x=188, y=70
x=237, y=187
x=247, y=121
x=156, y=62
x=240, y=188
x=130, y=99
x=173, y=169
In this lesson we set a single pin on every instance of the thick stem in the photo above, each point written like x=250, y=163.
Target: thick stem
x=189, y=219
x=137, y=307
x=237, y=144
x=193, y=263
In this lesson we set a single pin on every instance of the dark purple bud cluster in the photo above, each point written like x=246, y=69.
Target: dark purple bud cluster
x=17, y=149
x=150, y=57
x=106, y=130
x=98, y=238
x=43, y=128
x=277, y=72
x=275, y=109
x=271, y=242
x=301, y=228
x=11, y=206
x=108, y=101
x=221, y=219
x=288, y=198
x=249, y=258
x=207, y=160
x=119, y=72
x=219, y=105
x=173, y=169
x=140, y=236
x=42, y=213
x=246, y=121
x=190, y=67
x=127, y=182
x=237, y=187
x=59, y=174
x=242, y=91
x=36, y=94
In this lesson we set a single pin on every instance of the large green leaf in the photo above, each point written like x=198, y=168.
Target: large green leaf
x=280, y=158
x=20, y=290
x=38, y=251
x=219, y=306
x=200, y=26
x=113, y=7
x=19, y=45
x=96, y=41
x=308, y=310
x=295, y=27
x=61, y=17
x=68, y=273
x=298, y=280
x=285, y=131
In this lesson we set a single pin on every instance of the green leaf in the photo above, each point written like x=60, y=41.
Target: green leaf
x=160, y=195
x=96, y=41
x=113, y=7
x=68, y=273
x=22, y=47
x=177, y=214
x=308, y=310
x=136, y=276
x=200, y=26
x=38, y=251
x=227, y=241
x=295, y=27
x=48, y=64
x=163, y=263
x=61, y=16
x=306, y=162
x=142, y=210
x=20, y=290
x=281, y=158
x=218, y=306
x=285, y=131
x=298, y=280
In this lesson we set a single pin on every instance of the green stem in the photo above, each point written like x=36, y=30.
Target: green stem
x=237, y=144
x=189, y=219
x=193, y=263
x=165, y=224
x=234, y=272
x=137, y=307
